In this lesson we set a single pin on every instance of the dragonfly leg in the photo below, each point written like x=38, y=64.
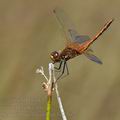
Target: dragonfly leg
x=63, y=70
x=60, y=65
x=67, y=68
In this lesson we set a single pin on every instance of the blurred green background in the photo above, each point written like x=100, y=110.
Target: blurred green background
x=29, y=32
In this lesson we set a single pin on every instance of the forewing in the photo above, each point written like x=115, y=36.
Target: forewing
x=65, y=23
x=68, y=28
x=92, y=57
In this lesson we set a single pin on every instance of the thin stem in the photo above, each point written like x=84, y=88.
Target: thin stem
x=59, y=98
x=60, y=103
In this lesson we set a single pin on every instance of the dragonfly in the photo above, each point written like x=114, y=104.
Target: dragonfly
x=76, y=44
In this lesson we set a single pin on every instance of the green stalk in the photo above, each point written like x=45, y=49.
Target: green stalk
x=49, y=101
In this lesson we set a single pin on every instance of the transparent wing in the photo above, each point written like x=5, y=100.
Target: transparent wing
x=92, y=57
x=78, y=38
x=65, y=23
x=68, y=27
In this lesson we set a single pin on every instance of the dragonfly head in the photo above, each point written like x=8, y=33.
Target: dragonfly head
x=55, y=56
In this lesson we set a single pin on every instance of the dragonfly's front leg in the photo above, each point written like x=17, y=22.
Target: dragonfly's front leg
x=60, y=65
x=63, y=70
